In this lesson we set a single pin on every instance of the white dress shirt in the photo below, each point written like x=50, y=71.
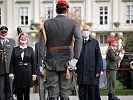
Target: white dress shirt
x=22, y=54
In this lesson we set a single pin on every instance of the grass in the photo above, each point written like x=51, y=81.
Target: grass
x=119, y=90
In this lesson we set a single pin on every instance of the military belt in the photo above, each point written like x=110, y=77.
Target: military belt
x=60, y=48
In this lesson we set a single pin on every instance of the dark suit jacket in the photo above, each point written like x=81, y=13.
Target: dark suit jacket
x=39, y=58
x=59, y=32
x=5, y=63
x=111, y=59
x=89, y=63
x=22, y=73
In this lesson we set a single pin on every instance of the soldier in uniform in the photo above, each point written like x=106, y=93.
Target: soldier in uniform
x=60, y=50
x=6, y=47
x=112, y=58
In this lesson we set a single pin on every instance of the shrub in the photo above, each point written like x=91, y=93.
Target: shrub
x=124, y=76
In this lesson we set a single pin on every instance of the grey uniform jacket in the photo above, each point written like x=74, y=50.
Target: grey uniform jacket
x=111, y=59
x=5, y=55
x=59, y=32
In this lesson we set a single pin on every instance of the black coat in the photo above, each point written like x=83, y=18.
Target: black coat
x=22, y=73
x=89, y=63
x=39, y=57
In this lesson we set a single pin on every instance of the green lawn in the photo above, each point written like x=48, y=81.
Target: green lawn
x=119, y=90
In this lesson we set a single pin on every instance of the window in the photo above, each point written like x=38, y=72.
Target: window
x=49, y=12
x=76, y=11
x=102, y=0
x=127, y=0
x=23, y=15
x=22, y=1
x=103, y=39
x=103, y=15
x=129, y=15
x=0, y=16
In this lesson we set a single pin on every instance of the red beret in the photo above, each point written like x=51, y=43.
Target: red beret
x=111, y=40
x=63, y=2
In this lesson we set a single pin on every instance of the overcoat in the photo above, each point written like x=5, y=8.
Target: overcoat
x=89, y=63
x=22, y=69
x=65, y=29
x=5, y=55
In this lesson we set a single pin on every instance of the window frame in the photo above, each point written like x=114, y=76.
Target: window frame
x=129, y=14
x=76, y=9
x=103, y=15
x=103, y=38
x=25, y=13
x=77, y=5
x=47, y=14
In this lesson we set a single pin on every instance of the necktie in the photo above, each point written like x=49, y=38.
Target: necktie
x=85, y=41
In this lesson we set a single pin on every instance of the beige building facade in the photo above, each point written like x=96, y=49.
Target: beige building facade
x=106, y=18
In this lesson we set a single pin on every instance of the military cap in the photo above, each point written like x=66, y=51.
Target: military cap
x=111, y=40
x=3, y=29
x=63, y=2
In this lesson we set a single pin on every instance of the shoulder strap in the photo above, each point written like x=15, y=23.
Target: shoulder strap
x=44, y=32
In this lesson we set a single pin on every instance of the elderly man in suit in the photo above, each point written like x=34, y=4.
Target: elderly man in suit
x=89, y=67
x=6, y=47
x=61, y=50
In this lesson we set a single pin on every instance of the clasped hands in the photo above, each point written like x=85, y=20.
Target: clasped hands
x=11, y=76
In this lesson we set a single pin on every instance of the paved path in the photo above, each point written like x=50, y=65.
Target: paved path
x=35, y=96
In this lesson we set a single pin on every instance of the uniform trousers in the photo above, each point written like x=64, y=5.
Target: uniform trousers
x=111, y=79
x=23, y=93
x=58, y=85
x=5, y=87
